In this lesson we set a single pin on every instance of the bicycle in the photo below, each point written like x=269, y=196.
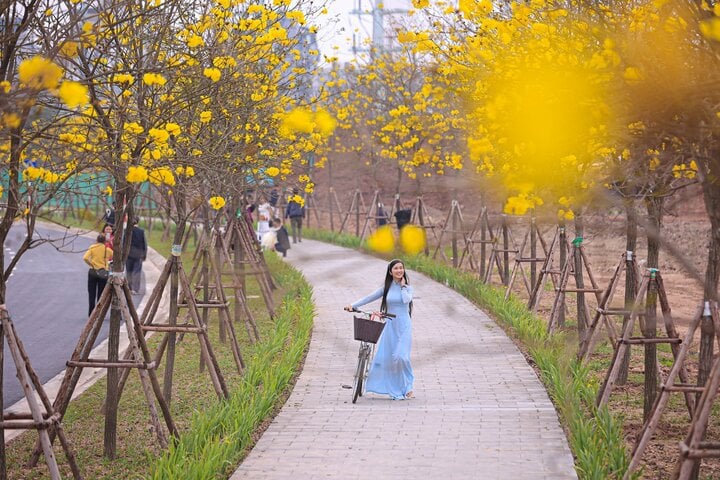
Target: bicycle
x=367, y=331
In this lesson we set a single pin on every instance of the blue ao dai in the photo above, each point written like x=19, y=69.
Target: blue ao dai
x=391, y=373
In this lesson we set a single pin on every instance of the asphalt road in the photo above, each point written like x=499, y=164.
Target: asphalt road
x=47, y=299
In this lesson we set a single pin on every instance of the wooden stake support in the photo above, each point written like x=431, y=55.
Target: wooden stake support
x=623, y=344
x=117, y=294
x=357, y=206
x=373, y=214
x=208, y=267
x=604, y=310
x=247, y=259
x=421, y=217
x=562, y=289
x=500, y=252
x=454, y=226
x=520, y=259
x=333, y=207
x=548, y=270
x=480, y=227
x=40, y=417
x=669, y=386
x=695, y=447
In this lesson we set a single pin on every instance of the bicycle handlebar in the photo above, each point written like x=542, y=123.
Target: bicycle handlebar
x=383, y=315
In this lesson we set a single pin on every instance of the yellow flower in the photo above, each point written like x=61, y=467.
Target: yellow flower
x=161, y=175
x=39, y=73
x=154, y=79
x=2, y=190
x=32, y=173
x=108, y=191
x=134, y=127
x=73, y=94
x=216, y=202
x=298, y=120
x=382, y=240
x=159, y=135
x=272, y=171
x=195, y=41
x=123, y=78
x=187, y=171
x=205, y=116
x=212, y=73
x=11, y=120
x=136, y=174
x=412, y=239
x=297, y=199
x=173, y=129
x=325, y=123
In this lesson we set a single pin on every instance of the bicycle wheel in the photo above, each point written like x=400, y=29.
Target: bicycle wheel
x=368, y=356
x=359, y=375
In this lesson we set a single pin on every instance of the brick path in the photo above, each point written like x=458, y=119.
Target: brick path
x=480, y=411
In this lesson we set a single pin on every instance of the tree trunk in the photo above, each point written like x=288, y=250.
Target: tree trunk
x=654, y=209
x=630, y=280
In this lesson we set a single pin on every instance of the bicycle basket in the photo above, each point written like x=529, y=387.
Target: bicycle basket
x=367, y=330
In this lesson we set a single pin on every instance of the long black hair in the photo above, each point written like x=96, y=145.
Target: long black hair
x=388, y=282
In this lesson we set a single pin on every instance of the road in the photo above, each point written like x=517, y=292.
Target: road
x=47, y=300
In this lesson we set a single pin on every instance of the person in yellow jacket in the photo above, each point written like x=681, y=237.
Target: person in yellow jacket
x=97, y=257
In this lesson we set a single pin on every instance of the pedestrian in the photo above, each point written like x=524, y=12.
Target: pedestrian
x=381, y=216
x=97, y=258
x=136, y=255
x=265, y=214
x=109, y=235
x=391, y=373
x=295, y=212
x=403, y=217
x=283, y=239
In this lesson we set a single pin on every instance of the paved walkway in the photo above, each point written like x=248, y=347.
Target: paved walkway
x=480, y=411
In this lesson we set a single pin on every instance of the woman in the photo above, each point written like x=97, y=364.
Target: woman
x=391, y=372
x=109, y=235
x=97, y=257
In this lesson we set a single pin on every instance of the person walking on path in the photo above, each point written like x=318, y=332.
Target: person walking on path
x=97, y=257
x=283, y=239
x=137, y=255
x=295, y=212
x=391, y=372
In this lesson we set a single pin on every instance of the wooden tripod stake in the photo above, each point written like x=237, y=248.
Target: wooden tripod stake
x=652, y=277
x=669, y=386
x=481, y=226
x=562, y=289
x=454, y=226
x=695, y=447
x=40, y=417
x=117, y=294
x=604, y=310
x=500, y=253
x=531, y=234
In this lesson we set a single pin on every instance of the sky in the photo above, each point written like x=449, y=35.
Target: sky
x=341, y=25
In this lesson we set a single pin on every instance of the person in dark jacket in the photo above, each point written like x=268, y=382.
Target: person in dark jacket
x=403, y=217
x=283, y=239
x=137, y=254
x=295, y=212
